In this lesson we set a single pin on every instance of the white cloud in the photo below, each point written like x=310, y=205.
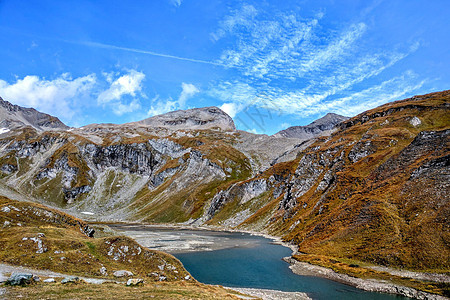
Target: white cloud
x=51, y=96
x=295, y=65
x=188, y=90
x=231, y=108
x=128, y=84
x=238, y=18
x=120, y=108
x=176, y=3
x=285, y=125
x=335, y=50
x=253, y=130
x=159, y=106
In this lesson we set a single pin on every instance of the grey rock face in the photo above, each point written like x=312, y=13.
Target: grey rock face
x=14, y=116
x=196, y=118
x=136, y=158
x=244, y=192
x=328, y=122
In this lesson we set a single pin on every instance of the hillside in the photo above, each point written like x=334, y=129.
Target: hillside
x=377, y=190
x=36, y=236
x=41, y=238
x=374, y=190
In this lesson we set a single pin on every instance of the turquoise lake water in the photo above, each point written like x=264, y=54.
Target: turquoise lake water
x=246, y=261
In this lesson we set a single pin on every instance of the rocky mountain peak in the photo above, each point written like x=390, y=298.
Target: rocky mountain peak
x=316, y=128
x=14, y=116
x=191, y=119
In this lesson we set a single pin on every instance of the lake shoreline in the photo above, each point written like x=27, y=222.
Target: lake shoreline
x=304, y=268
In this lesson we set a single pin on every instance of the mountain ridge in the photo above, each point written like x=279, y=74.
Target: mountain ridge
x=14, y=116
x=193, y=119
x=335, y=196
x=314, y=129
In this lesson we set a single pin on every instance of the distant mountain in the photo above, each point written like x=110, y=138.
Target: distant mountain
x=14, y=116
x=191, y=119
x=316, y=128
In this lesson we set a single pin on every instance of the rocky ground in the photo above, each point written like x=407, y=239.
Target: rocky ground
x=372, y=285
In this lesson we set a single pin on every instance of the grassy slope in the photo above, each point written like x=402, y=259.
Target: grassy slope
x=375, y=211
x=68, y=250
x=163, y=291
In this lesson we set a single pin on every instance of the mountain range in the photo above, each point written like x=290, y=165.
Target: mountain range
x=372, y=188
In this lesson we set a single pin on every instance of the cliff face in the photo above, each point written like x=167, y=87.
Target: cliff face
x=374, y=189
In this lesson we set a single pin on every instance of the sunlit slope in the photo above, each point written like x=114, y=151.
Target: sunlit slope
x=377, y=190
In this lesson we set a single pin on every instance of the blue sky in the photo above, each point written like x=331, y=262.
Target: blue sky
x=269, y=64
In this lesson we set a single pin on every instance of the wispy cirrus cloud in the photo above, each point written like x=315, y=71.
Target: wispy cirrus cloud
x=241, y=17
x=176, y=3
x=141, y=51
x=294, y=65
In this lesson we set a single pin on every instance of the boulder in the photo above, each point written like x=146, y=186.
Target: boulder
x=134, y=281
x=20, y=279
x=70, y=279
x=49, y=280
x=103, y=271
x=122, y=273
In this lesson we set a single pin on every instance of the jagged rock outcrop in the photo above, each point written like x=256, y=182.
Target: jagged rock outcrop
x=192, y=119
x=316, y=128
x=14, y=116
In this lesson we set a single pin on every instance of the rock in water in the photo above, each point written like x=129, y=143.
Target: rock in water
x=20, y=279
x=192, y=119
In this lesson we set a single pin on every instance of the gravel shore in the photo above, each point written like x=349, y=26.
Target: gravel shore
x=371, y=285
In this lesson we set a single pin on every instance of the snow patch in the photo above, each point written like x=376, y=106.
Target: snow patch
x=87, y=213
x=4, y=130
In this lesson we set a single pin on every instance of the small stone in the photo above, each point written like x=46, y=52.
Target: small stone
x=49, y=280
x=162, y=278
x=6, y=209
x=20, y=279
x=122, y=273
x=70, y=279
x=7, y=223
x=134, y=281
x=415, y=121
x=187, y=277
x=103, y=271
x=36, y=278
